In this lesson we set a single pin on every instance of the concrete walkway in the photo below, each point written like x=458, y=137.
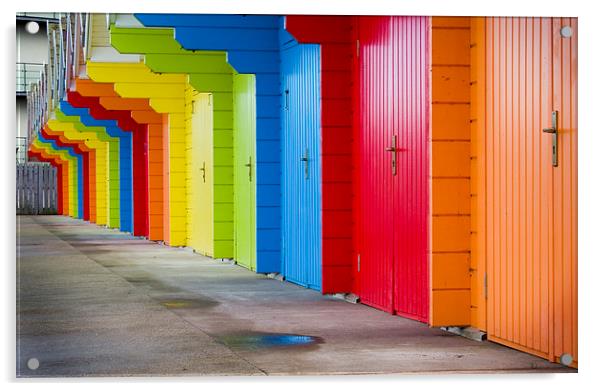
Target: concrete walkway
x=97, y=302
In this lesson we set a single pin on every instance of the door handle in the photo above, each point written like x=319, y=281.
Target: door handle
x=249, y=166
x=305, y=159
x=554, y=132
x=203, y=169
x=285, y=99
x=393, y=148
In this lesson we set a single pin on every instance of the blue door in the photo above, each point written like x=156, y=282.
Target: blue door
x=301, y=165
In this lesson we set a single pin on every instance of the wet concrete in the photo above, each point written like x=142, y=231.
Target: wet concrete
x=97, y=302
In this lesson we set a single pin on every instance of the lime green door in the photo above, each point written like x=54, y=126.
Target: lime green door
x=244, y=170
x=202, y=174
x=113, y=184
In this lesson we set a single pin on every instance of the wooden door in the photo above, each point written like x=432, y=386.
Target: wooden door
x=202, y=174
x=244, y=170
x=377, y=236
x=301, y=165
x=530, y=71
x=394, y=164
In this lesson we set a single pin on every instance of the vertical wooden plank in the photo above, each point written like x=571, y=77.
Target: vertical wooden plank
x=42, y=192
x=519, y=206
x=33, y=189
x=40, y=188
x=573, y=187
x=29, y=190
x=565, y=176
x=529, y=183
x=27, y=195
x=55, y=190
x=45, y=179
x=24, y=189
x=37, y=189
x=479, y=180
x=546, y=190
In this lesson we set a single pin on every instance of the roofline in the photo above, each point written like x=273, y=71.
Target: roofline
x=36, y=19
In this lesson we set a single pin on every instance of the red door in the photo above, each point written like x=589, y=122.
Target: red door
x=394, y=164
x=375, y=261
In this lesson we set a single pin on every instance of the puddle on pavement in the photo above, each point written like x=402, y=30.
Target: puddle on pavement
x=269, y=340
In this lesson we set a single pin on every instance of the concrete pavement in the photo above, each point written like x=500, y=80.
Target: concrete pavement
x=97, y=302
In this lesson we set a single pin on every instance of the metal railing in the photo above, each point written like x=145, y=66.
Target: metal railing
x=51, y=16
x=66, y=55
x=27, y=74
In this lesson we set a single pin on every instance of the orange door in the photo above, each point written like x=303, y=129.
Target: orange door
x=530, y=71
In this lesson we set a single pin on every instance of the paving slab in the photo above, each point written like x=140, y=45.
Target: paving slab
x=92, y=301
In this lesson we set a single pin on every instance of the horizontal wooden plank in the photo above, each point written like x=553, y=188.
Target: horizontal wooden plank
x=451, y=159
x=450, y=308
x=451, y=47
x=451, y=121
x=451, y=271
x=451, y=84
x=451, y=21
x=451, y=234
x=451, y=196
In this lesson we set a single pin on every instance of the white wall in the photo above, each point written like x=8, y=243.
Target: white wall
x=32, y=47
x=21, y=117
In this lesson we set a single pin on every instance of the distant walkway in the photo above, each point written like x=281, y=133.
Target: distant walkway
x=97, y=302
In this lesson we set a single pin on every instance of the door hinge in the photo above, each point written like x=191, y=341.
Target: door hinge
x=358, y=262
x=210, y=100
x=357, y=47
x=485, y=284
x=192, y=106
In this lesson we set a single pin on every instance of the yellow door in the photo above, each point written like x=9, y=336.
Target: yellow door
x=201, y=176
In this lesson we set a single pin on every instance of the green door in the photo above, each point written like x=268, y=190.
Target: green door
x=244, y=170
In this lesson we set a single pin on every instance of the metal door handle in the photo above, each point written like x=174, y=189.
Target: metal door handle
x=249, y=165
x=203, y=169
x=305, y=159
x=393, y=148
x=285, y=99
x=554, y=132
